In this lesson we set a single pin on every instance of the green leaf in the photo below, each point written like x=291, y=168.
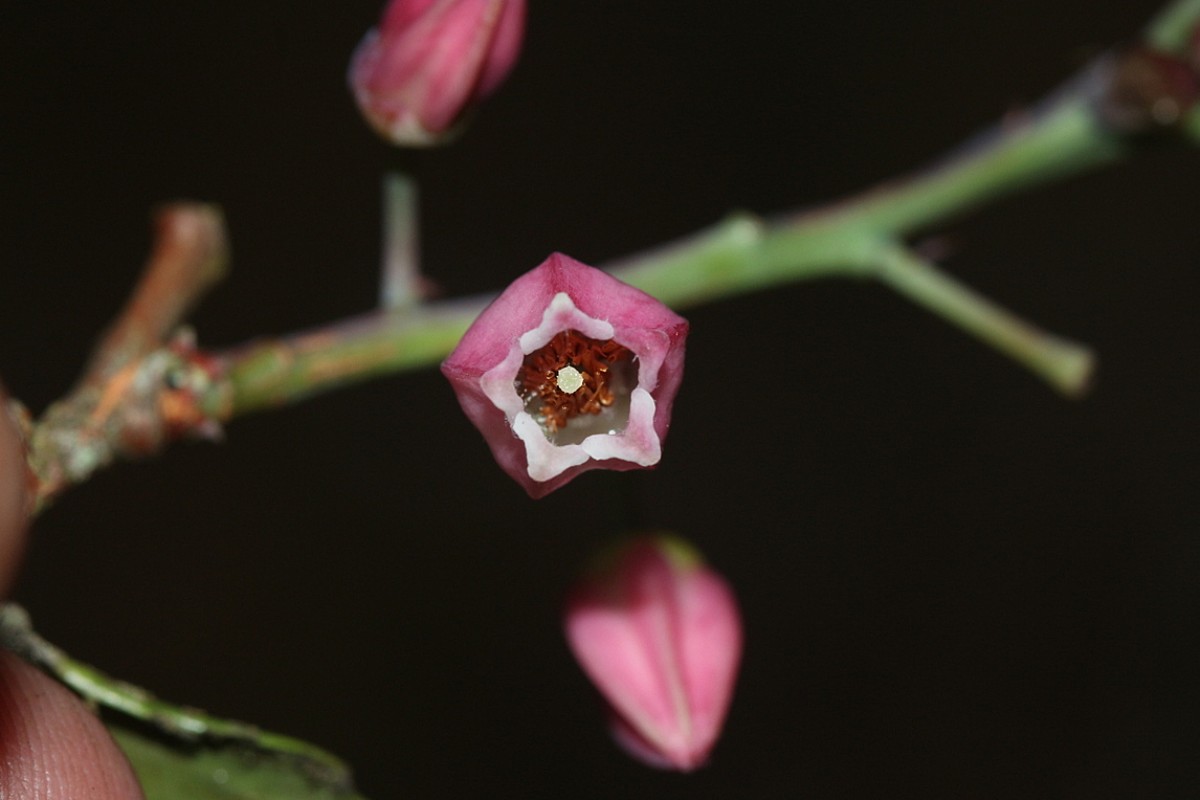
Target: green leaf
x=229, y=771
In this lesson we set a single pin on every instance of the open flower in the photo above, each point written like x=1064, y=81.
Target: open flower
x=659, y=634
x=568, y=370
x=429, y=61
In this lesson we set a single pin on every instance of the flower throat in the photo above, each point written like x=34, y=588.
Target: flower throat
x=575, y=386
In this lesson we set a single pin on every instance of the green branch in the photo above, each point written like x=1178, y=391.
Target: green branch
x=181, y=722
x=1098, y=118
x=855, y=237
x=1063, y=364
x=1172, y=29
x=741, y=254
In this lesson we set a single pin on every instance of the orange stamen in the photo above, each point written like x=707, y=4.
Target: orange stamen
x=537, y=380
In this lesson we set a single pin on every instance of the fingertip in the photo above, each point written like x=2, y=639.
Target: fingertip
x=51, y=745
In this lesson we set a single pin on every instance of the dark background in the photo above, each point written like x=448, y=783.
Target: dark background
x=955, y=583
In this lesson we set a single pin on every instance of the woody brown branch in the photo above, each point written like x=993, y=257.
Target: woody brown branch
x=139, y=389
x=190, y=256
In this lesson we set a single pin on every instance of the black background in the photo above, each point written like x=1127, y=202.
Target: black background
x=955, y=583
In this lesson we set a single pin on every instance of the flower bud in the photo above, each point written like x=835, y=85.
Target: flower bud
x=569, y=370
x=1148, y=92
x=659, y=634
x=429, y=61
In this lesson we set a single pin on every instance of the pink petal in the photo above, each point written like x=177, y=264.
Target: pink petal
x=430, y=60
x=661, y=640
x=563, y=294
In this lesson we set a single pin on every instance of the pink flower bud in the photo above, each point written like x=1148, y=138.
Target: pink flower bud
x=430, y=60
x=569, y=370
x=660, y=636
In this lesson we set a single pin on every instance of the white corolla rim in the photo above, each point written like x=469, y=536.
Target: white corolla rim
x=638, y=443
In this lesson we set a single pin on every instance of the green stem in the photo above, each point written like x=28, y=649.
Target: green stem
x=1064, y=364
x=743, y=254
x=17, y=635
x=1065, y=136
x=1064, y=139
x=401, y=284
x=1171, y=31
x=267, y=373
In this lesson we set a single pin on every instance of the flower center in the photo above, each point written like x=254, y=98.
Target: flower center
x=575, y=386
x=569, y=379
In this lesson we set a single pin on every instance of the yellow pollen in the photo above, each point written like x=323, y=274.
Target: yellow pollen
x=569, y=379
x=574, y=375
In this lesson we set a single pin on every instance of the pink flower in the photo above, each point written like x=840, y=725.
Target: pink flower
x=431, y=60
x=660, y=636
x=569, y=370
